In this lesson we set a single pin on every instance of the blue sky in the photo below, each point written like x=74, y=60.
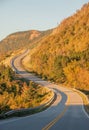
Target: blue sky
x=20, y=15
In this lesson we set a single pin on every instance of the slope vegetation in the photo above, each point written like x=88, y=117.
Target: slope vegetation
x=63, y=56
x=20, y=40
x=16, y=93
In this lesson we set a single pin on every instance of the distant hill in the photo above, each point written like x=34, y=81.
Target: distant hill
x=63, y=56
x=21, y=40
x=60, y=54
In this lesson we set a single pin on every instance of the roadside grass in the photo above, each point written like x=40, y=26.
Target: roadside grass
x=40, y=99
x=17, y=93
x=7, y=58
x=84, y=94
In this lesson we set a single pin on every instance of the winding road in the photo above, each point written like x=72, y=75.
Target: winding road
x=66, y=113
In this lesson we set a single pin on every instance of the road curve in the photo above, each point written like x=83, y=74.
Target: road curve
x=66, y=113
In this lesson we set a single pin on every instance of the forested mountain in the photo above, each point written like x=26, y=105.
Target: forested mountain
x=64, y=55
x=21, y=40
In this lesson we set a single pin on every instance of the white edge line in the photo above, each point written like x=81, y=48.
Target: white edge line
x=85, y=111
x=82, y=103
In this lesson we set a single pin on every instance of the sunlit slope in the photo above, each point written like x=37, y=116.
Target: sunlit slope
x=64, y=55
x=20, y=40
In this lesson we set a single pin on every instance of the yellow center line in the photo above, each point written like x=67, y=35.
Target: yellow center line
x=48, y=126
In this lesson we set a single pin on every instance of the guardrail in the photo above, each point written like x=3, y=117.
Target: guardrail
x=27, y=111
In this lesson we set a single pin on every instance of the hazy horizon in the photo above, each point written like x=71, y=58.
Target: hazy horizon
x=40, y=15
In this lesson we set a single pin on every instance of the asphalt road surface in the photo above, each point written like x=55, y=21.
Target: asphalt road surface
x=66, y=113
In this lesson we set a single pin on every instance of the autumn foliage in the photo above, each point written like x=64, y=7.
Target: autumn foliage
x=63, y=56
x=16, y=94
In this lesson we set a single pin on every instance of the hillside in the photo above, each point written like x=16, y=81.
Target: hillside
x=20, y=40
x=16, y=93
x=63, y=56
